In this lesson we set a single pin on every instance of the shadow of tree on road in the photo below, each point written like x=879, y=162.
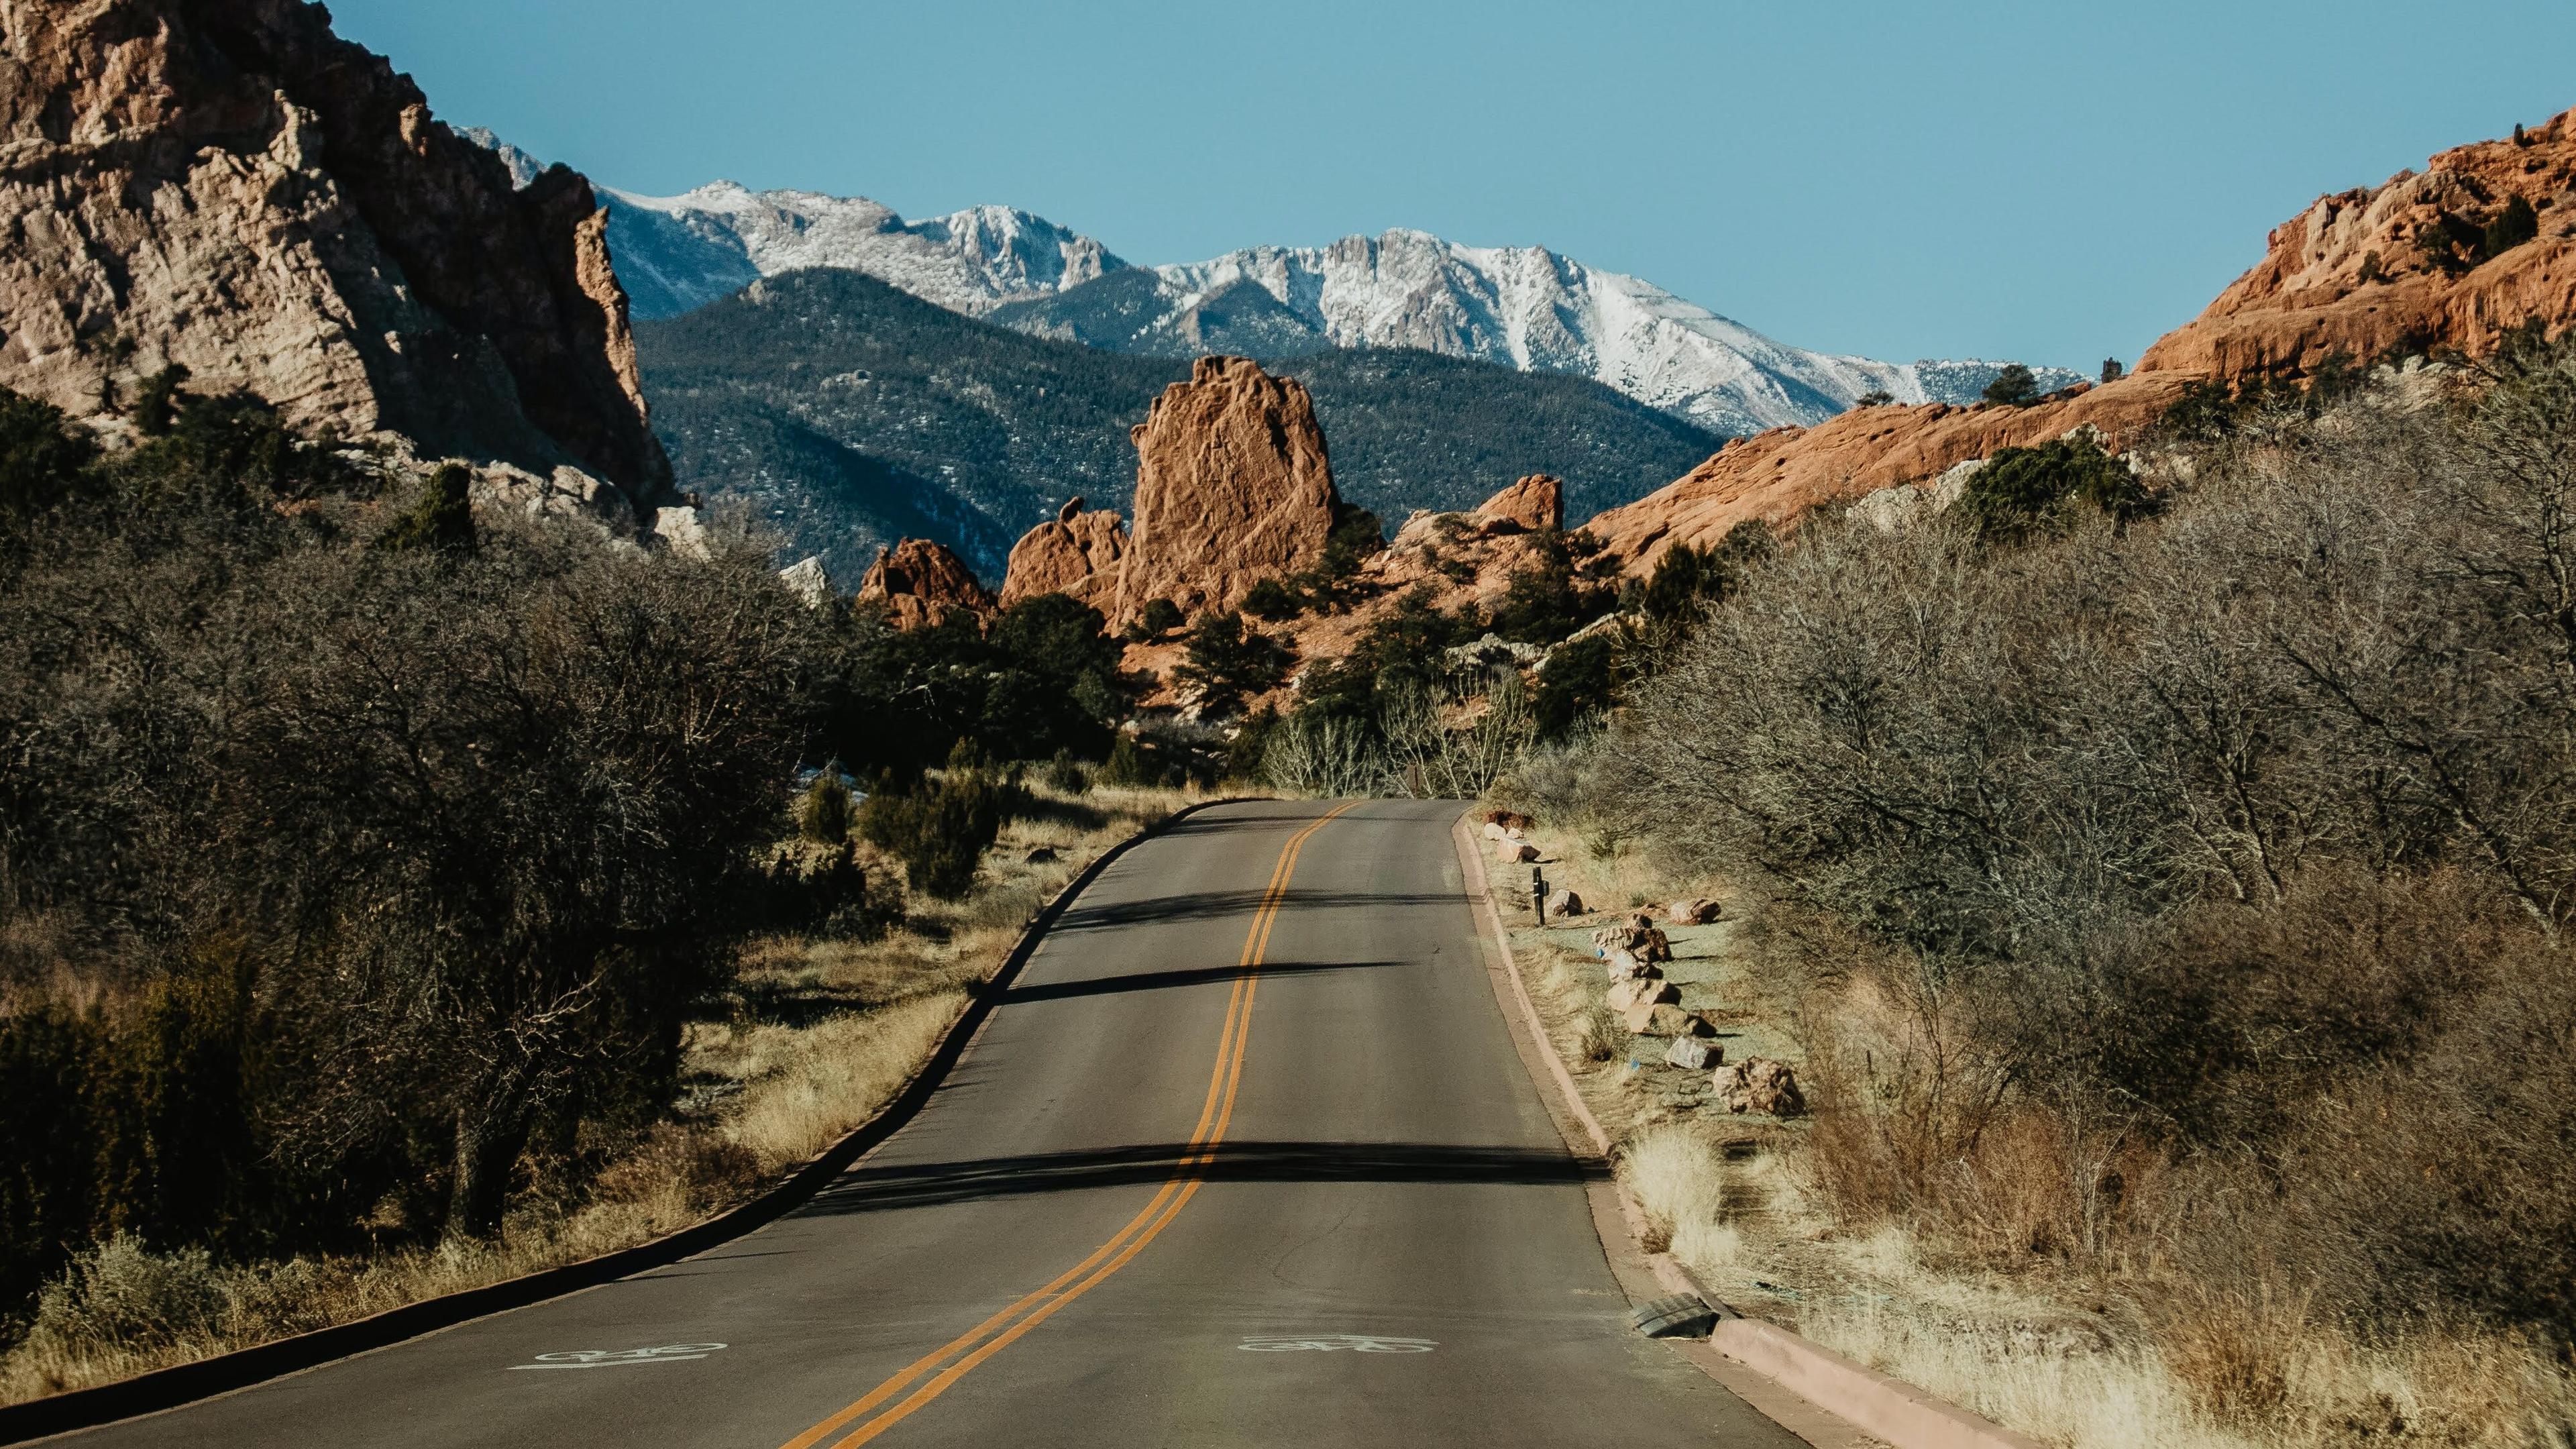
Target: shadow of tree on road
x=1194, y=976
x=881, y=1189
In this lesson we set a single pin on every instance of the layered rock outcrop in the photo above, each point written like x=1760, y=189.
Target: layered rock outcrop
x=922, y=583
x=2404, y=266
x=1232, y=487
x=1079, y=552
x=227, y=186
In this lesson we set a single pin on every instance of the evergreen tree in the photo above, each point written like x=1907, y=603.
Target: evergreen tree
x=2013, y=387
x=442, y=520
x=2511, y=227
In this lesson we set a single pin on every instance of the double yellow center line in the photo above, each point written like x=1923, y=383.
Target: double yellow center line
x=880, y=1410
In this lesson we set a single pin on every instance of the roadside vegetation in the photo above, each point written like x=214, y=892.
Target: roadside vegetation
x=2164, y=896
x=394, y=900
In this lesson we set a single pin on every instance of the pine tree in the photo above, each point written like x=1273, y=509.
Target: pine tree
x=2013, y=387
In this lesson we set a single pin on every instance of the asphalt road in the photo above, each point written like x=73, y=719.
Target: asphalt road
x=1162, y=1201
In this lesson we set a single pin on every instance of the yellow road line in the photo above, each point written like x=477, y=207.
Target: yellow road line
x=1006, y=1327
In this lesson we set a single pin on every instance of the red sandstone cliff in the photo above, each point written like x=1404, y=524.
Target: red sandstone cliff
x=2347, y=279
x=224, y=184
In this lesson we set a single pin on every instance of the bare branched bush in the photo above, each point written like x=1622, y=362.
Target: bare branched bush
x=2216, y=868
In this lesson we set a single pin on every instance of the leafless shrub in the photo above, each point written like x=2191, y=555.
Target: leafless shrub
x=2218, y=868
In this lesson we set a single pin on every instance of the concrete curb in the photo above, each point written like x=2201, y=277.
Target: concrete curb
x=205, y=1378
x=1887, y=1408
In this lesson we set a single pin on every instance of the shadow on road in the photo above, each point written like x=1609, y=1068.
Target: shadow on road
x=1209, y=905
x=880, y=1189
x=1195, y=976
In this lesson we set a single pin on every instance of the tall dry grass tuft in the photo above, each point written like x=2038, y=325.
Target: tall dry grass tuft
x=1679, y=1181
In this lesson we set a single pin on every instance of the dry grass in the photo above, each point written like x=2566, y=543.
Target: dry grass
x=815, y=1037
x=2088, y=1345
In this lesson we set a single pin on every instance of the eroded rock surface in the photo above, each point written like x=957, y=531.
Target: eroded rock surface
x=1079, y=552
x=921, y=583
x=1232, y=487
x=227, y=186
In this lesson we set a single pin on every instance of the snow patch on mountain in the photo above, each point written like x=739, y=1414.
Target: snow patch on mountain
x=1523, y=307
x=708, y=243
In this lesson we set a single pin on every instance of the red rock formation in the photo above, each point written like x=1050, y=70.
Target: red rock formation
x=225, y=185
x=2307, y=302
x=1777, y=476
x=1536, y=504
x=921, y=582
x=2350, y=277
x=1078, y=553
x=1232, y=487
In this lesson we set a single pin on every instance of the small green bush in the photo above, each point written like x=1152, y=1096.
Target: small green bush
x=823, y=815
x=441, y=521
x=941, y=832
x=2021, y=491
x=1065, y=774
x=1270, y=599
x=2511, y=227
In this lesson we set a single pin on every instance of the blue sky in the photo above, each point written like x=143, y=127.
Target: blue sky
x=2058, y=182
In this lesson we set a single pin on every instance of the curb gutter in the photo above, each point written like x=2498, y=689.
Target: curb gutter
x=205, y=1378
x=1864, y=1398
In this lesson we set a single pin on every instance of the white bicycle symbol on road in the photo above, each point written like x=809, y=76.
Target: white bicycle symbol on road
x=1336, y=1342
x=582, y=1358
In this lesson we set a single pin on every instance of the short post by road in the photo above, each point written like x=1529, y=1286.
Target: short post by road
x=1538, y=894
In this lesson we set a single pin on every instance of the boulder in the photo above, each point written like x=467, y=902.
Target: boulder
x=1510, y=821
x=1663, y=1018
x=1078, y=554
x=1042, y=855
x=921, y=584
x=1624, y=966
x=1535, y=504
x=1698, y=911
x=1758, y=1084
x=1693, y=1054
x=808, y=582
x=1645, y=942
x=1515, y=852
x=1232, y=487
x=1564, y=903
x=1640, y=992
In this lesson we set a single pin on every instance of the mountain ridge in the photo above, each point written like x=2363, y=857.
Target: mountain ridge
x=1528, y=308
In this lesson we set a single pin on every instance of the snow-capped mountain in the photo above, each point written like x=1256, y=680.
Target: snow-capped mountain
x=676, y=253
x=1521, y=307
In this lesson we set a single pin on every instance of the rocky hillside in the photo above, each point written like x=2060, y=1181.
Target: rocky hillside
x=225, y=186
x=849, y=414
x=2481, y=242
